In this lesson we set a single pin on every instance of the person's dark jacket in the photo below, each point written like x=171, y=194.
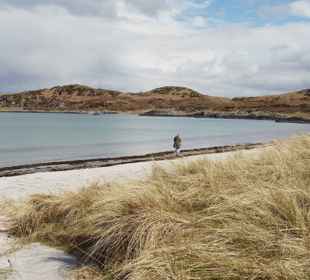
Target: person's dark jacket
x=177, y=141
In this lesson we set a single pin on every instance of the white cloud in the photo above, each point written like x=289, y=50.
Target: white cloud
x=274, y=11
x=44, y=46
x=199, y=21
x=301, y=8
x=106, y=8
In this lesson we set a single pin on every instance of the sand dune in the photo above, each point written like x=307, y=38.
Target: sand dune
x=36, y=260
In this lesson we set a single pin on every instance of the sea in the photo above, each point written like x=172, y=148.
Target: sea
x=27, y=138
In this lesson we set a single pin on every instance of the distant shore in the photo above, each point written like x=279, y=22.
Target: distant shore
x=61, y=112
x=231, y=115
x=211, y=115
x=104, y=162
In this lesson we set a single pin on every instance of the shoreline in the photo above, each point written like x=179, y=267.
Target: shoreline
x=206, y=115
x=53, y=166
x=231, y=116
x=63, y=112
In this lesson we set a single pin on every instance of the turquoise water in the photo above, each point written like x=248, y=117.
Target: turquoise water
x=33, y=137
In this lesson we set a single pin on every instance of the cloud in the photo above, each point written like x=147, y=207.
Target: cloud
x=296, y=8
x=152, y=8
x=44, y=46
x=106, y=8
x=80, y=7
x=274, y=11
x=300, y=8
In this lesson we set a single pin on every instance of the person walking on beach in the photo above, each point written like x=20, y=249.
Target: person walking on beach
x=177, y=142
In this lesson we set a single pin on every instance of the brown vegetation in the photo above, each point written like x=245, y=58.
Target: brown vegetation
x=4, y=273
x=241, y=218
x=285, y=103
x=171, y=99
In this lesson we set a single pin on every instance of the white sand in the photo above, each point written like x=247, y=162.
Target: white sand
x=52, y=182
x=41, y=262
x=36, y=262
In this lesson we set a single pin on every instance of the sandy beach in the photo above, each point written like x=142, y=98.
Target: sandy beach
x=155, y=140
x=18, y=187
x=51, y=262
x=50, y=166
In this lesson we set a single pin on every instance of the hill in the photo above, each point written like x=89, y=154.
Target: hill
x=78, y=97
x=160, y=101
x=292, y=102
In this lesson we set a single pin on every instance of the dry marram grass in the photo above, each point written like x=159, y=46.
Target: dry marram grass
x=5, y=273
x=239, y=218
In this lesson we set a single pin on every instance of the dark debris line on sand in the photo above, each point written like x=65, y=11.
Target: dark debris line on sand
x=104, y=162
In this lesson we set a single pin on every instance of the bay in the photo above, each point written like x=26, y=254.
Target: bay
x=40, y=137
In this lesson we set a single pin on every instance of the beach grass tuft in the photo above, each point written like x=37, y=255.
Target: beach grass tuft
x=5, y=273
x=240, y=218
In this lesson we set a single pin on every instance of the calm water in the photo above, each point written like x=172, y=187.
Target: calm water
x=28, y=138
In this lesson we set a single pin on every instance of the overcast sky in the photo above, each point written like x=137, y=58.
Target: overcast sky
x=219, y=47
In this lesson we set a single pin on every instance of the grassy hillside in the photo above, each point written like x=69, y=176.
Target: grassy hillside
x=167, y=100
x=79, y=98
x=292, y=102
x=241, y=218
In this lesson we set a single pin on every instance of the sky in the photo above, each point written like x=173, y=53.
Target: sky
x=218, y=47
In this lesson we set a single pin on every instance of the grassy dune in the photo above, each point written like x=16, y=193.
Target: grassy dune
x=4, y=273
x=235, y=219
